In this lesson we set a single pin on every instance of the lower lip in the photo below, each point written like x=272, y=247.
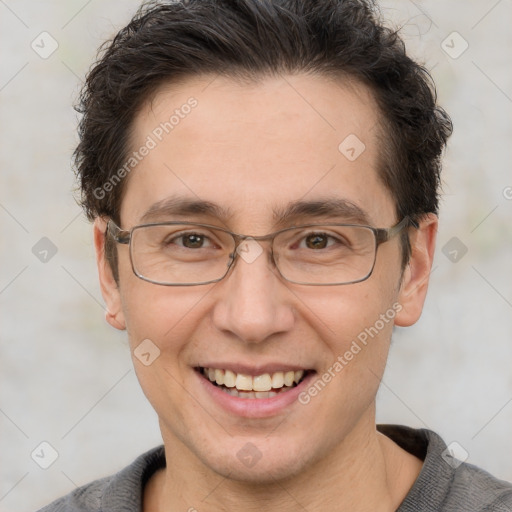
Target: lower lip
x=254, y=407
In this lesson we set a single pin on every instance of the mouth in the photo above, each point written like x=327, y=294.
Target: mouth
x=266, y=385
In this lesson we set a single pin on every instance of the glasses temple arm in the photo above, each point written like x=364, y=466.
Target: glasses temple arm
x=385, y=234
x=119, y=235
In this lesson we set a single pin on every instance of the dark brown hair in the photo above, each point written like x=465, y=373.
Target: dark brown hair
x=250, y=39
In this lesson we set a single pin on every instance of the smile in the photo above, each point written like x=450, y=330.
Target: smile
x=266, y=385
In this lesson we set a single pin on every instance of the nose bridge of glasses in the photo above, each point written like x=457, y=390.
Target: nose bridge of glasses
x=239, y=238
x=250, y=247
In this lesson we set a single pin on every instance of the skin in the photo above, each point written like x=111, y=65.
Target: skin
x=250, y=148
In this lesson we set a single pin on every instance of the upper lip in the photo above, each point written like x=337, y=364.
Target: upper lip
x=254, y=370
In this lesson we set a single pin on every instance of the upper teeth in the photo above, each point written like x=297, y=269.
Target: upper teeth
x=264, y=382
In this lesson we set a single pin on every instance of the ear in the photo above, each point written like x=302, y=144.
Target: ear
x=413, y=288
x=109, y=288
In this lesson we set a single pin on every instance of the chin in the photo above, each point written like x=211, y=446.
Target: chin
x=258, y=461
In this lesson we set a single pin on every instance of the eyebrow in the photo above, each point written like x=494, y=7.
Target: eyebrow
x=183, y=207
x=329, y=208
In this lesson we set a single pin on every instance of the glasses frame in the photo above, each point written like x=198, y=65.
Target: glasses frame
x=382, y=235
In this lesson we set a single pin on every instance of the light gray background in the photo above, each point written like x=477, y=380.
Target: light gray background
x=67, y=377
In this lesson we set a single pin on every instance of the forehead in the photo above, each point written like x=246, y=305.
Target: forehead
x=254, y=147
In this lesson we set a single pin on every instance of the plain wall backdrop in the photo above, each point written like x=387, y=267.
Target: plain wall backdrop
x=66, y=375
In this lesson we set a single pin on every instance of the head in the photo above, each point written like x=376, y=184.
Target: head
x=255, y=107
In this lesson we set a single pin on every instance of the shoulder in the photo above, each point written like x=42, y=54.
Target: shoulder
x=476, y=490
x=120, y=492
x=446, y=484
x=86, y=498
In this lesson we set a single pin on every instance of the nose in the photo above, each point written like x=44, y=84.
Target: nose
x=253, y=301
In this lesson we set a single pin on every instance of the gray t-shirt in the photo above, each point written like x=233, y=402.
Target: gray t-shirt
x=443, y=484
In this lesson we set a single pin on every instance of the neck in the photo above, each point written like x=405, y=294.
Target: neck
x=367, y=471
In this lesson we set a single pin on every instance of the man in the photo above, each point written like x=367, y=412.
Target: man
x=263, y=179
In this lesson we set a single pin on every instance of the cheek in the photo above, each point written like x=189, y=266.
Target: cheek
x=356, y=329
x=357, y=311
x=165, y=315
x=151, y=311
x=160, y=323
x=355, y=325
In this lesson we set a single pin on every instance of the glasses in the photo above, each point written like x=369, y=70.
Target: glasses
x=188, y=254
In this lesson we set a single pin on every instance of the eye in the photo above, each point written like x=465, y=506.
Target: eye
x=190, y=241
x=318, y=241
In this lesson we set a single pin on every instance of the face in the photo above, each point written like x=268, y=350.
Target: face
x=252, y=150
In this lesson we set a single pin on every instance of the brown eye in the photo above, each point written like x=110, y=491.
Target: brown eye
x=316, y=241
x=188, y=241
x=193, y=241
